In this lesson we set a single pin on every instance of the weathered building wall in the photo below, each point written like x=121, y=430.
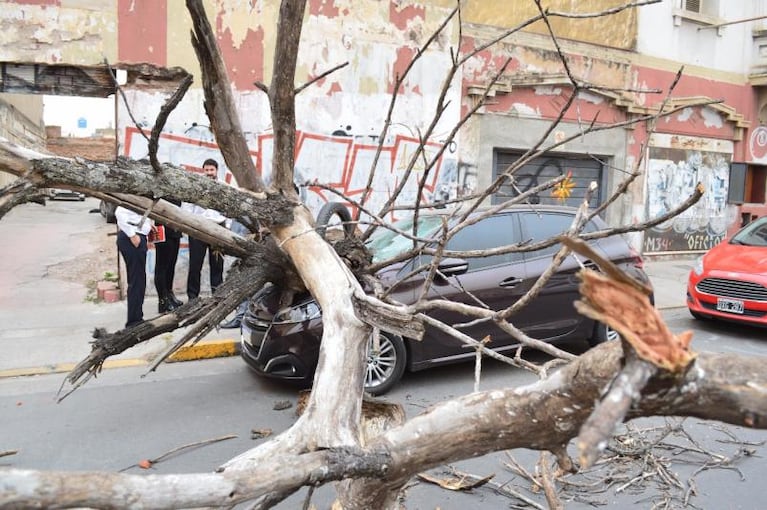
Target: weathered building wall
x=534, y=89
x=21, y=122
x=618, y=31
x=341, y=116
x=81, y=32
x=675, y=35
x=675, y=165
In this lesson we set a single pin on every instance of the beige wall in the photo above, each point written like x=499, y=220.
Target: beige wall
x=21, y=121
x=77, y=32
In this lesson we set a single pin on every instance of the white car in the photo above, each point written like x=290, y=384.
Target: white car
x=56, y=193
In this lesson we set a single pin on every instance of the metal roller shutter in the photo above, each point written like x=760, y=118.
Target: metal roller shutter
x=585, y=169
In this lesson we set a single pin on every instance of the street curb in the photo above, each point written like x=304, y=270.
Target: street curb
x=60, y=368
x=204, y=349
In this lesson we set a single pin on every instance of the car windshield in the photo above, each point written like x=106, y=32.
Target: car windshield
x=386, y=243
x=753, y=234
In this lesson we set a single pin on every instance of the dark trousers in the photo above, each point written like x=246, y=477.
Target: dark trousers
x=166, y=255
x=135, y=266
x=197, y=250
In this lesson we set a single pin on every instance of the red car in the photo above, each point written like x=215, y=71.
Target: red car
x=730, y=281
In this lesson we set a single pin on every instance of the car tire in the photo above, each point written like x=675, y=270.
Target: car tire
x=602, y=333
x=384, y=369
x=327, y=212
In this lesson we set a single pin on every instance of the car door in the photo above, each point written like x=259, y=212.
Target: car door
x=492, y=281
x=552, y=313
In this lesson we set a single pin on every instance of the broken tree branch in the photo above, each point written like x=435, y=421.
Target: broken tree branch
x=219, y=102
x=723, y=387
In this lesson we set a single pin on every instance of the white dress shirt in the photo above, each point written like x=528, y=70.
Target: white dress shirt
x=128, y=222
x=208, y=214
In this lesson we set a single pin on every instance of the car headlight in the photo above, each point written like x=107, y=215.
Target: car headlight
x=303, y=312
x=698, y=267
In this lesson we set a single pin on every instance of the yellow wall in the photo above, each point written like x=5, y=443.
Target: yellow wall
x=616, y=31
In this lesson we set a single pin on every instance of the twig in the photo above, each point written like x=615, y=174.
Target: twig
x=178, y=449
x=319, y=77
x=147, y=211
x=516, y=467
x=478, y=362
x=120, y=90
x=395, y=94
x=308, y=499
x=162, y=118
x=548, y=484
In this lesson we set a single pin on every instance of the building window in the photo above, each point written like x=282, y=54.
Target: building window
x=748, y=184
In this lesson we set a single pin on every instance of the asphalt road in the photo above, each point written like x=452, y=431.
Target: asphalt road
x=120, y=418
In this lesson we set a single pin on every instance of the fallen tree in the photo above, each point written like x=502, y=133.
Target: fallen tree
x=651, y=372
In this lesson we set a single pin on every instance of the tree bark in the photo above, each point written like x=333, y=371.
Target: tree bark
x=219, y=101
x=545, y=415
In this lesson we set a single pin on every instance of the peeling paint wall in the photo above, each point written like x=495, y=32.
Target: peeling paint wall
x=618, y=31
x=141, y=32
x=81, y=32
x=341, y=116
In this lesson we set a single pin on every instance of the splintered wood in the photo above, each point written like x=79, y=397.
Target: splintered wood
x=628, y=310
x=618, y=300
x=624, y=304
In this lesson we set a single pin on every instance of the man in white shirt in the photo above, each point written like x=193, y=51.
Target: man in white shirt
x=131, y=242
x=197, y=248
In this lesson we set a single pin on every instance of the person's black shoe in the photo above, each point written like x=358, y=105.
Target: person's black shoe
x=165, y=305
x=230, y=324
x=173, y=299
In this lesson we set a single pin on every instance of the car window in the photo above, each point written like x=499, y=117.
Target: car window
x=753, y=234
x=547, y=224
x=385, y=243
x=492, y=232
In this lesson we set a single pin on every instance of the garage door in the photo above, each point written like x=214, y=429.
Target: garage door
x=585, y=169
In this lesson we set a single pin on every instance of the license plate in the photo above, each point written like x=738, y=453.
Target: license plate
x=245, y=334
x=729, y=305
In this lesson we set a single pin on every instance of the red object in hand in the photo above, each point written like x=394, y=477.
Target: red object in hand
x=157, y=234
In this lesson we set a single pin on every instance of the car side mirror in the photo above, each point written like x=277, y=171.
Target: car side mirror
x=451, y=267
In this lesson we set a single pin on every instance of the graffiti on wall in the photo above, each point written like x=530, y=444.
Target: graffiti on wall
x=757, y=145
x=672, y=175
x=342, y=163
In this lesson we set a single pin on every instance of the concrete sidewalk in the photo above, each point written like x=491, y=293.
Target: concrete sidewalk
x=669, y=280
x=53, y=337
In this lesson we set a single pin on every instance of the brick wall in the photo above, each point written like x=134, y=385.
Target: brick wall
x=96, y=148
